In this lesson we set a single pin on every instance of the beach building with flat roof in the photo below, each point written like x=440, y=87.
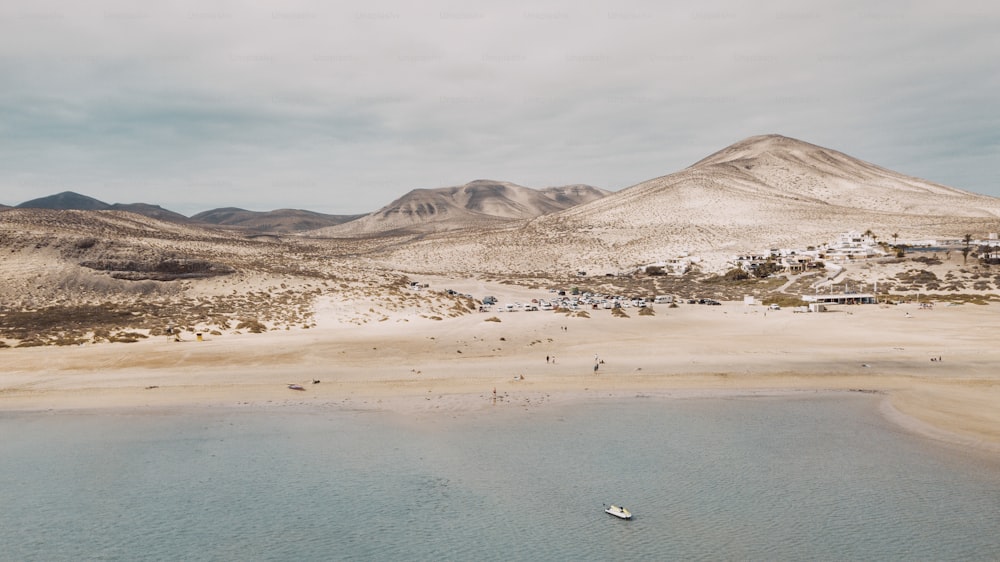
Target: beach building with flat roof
x=841, y=298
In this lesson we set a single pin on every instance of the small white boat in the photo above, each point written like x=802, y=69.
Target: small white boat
x=619, y=512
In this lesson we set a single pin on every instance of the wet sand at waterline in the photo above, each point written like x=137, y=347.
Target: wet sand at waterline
x=936, y=368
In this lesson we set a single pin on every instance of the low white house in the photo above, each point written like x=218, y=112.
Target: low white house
x=796, y=263
x=852, y=245
x=672, y=266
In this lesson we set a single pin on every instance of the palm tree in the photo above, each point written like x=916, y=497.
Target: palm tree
x=965, y=251
x=895, y=237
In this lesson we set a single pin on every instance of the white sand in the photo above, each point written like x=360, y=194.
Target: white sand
x=455, y=364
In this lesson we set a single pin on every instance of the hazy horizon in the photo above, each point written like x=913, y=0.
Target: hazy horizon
x=342, y=109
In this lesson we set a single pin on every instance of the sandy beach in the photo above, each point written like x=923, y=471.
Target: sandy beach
x=936, y=367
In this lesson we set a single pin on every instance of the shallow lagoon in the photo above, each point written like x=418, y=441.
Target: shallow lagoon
x=793, y=477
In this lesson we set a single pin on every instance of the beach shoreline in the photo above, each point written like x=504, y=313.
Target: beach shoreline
x=936, y=374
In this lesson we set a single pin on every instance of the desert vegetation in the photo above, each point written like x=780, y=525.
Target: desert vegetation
x=75, y=277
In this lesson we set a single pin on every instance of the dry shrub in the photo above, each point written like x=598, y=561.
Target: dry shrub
x=252, y=326
x=31, y=343
x=69, y=341
x=492, y=319
x=126, y=337
x=85, y=243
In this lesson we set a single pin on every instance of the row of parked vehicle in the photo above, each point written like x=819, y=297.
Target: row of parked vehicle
x=562, y=300
x=577, y=302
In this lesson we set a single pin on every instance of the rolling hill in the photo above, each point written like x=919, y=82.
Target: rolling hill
x=66, y=201
x=278, y=221
x=71, y=201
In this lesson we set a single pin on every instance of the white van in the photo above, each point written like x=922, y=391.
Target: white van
x=664, y=299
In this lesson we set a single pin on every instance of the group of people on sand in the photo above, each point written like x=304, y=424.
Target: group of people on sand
x=597, y=362
x=551, y=359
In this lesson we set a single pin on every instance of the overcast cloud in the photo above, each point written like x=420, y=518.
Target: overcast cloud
x=343, y=106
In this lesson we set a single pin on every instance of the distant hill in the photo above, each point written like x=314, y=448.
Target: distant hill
x=278, y=221
x=477, y=204
x=71, y=201
x=66, y=201
x=154, y=211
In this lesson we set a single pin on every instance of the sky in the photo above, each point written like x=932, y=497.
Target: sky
x=341, y=107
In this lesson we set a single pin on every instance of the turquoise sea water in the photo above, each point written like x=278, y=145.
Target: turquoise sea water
x=790, y=478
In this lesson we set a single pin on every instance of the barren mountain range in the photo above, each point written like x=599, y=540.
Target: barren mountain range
x=764, y=192
x=477, y=204
x=278, y=221
x=140, y=265
x=474, y=205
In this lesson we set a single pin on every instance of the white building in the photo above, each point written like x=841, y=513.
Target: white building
x=841, y=298
x=672, y=266
x=852, y=245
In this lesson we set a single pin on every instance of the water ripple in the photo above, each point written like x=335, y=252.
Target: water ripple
x=706, y=480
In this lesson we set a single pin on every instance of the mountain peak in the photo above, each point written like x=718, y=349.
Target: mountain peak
x=67, y=200
x=482, y=182
x=757, y=146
